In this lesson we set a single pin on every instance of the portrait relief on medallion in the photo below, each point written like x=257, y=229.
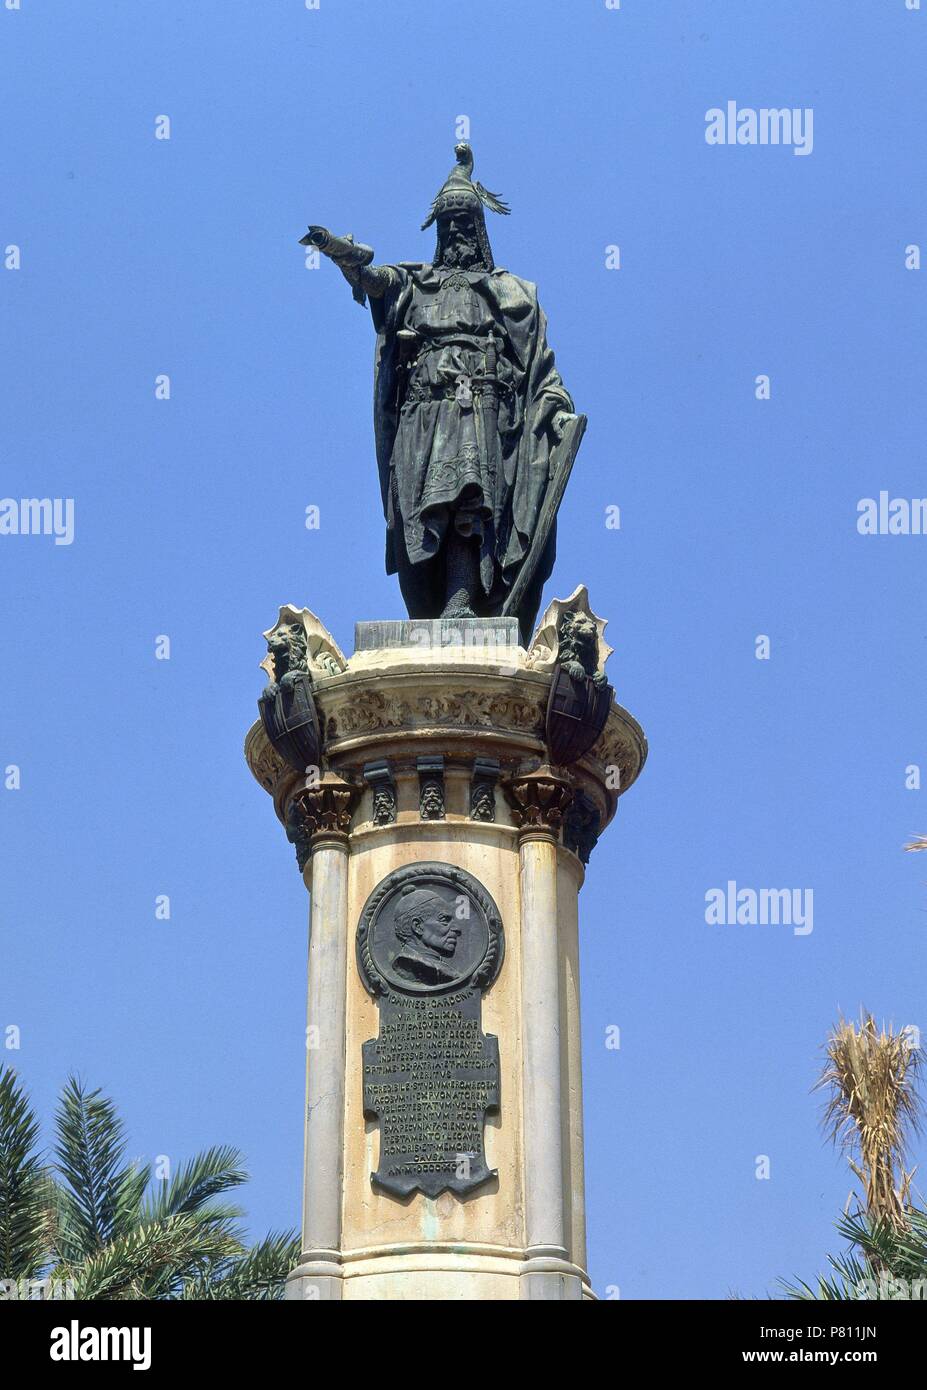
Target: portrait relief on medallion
x=429, y=942
x=429, y=927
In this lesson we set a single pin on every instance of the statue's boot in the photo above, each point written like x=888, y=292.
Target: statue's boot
x=458, y=606
x=462, y=575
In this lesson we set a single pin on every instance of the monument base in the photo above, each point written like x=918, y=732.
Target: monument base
x=432, y=1272
x=444, y=854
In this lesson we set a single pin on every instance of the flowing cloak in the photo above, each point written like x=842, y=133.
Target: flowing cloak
x=524, y=439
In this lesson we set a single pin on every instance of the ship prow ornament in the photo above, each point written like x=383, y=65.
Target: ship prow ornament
x=580, y=695
x=286, y=706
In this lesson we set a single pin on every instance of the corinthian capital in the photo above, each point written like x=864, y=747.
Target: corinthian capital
x=325, y=809
x=539, y=800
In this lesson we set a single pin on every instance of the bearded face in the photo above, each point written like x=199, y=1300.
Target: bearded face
x=430, y=922
x=458, y=245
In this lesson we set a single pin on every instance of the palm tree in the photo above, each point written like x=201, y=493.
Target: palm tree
x=881, y=1262
x=872, y=1109
x=90, y=1220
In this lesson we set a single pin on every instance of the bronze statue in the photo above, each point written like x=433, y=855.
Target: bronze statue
x=475, y=431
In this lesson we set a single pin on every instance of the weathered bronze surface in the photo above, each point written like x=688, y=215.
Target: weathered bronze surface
x=429, y=942
x=577, y=711
x=286, y=705
x=580, y=695
x=581, y=826
x=475, y=430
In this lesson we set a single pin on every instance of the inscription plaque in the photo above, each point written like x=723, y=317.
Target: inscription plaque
x=429, y=942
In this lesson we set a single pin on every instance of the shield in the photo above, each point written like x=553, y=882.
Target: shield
x=291, y=722
x=576, y=713
x=561, y=465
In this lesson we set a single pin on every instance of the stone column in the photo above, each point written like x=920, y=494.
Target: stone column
x=324, y=816
x=539, y=802
x=427, y=746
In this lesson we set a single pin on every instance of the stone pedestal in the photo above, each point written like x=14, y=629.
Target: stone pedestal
x=435, y=760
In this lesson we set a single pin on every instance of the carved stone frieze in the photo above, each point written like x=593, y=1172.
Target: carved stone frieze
x=396, y=712
x=621, y=751
x=265, y=762
x=372, y=710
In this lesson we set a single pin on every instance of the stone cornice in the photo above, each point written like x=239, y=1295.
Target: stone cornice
x=451, y=703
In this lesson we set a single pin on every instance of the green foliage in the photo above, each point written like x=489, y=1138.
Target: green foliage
x=258, y=1271
x=873, y=1106
x=91, y=1219
x=883, y=1262
x=23, y=1186
x=99, y=1194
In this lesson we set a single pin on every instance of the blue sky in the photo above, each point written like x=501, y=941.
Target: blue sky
x=141, y=257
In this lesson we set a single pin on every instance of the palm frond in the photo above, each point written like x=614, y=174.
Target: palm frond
x=257, y=1275
x=872, y=1108
x=101, y=1195
x=23, y=1185
x=152, y=1261
x=193, y=1188
x=94, y=1221
x=848, y=1281
x=894, y=1254
x=885, y=1261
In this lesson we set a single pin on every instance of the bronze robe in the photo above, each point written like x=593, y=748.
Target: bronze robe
x=462, y=427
